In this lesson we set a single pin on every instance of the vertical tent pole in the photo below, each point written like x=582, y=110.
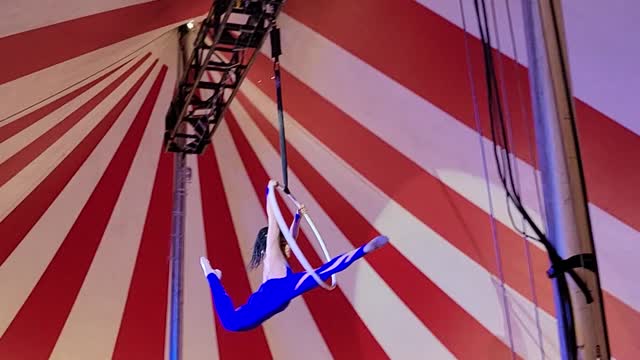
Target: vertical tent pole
x=177, y=256
x=568, y=224
x=178, y=219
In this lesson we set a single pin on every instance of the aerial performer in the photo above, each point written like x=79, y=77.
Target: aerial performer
x=280, y=284
x=273, y=246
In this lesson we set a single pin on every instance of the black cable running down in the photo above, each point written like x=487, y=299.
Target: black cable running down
x=276, y=51
x=499, y=137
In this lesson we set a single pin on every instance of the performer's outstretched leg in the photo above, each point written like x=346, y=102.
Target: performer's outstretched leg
x=230, y=318
x=275, y=294
x=303, y=280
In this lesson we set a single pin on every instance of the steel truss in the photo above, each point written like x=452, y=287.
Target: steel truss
x=226, y=46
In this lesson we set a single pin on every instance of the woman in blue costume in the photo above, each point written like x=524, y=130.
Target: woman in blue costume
x=279, y=284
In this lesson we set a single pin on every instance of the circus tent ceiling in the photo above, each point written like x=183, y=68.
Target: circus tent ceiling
x=382, y=139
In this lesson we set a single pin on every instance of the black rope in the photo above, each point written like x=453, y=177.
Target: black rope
x=276, y=51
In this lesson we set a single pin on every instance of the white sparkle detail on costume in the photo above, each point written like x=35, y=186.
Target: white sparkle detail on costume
x=340, y=260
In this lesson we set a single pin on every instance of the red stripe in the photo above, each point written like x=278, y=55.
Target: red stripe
x=360, y=344
x=452, y=216
x=142, y=330
x=624, y=326
x=13, y=165
x=456, y=219
x=434, y=68
x=33, y=332
x=19, y=222
x=88, y=33
x=224, y=253
x=22, y=123
x=408, y=282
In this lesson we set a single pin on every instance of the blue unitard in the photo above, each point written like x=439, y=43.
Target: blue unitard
x=274, y=295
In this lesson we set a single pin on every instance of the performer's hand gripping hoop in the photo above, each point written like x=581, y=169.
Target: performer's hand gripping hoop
x=271, y=199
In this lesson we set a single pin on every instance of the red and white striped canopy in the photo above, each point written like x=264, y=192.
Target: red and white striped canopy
x=381, y=139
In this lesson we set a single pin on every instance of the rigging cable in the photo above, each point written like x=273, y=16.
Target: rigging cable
x=532, y=154
x=511, y=142
x=496, y=244
x=509, y=139
x=495, y=108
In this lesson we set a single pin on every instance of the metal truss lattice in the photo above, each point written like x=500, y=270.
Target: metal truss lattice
x=226, y=46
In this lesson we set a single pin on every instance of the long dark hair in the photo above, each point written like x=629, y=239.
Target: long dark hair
x=260, y=247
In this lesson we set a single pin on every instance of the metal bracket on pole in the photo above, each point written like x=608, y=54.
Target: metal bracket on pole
x=585, y=261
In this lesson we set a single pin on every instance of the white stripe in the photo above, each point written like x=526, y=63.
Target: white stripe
x=424, y=133
x=91, y=328
x=615, y=262
x=25, y=137
x=398, y=331
x=24, y=267
x=199, y=333
x=51, y=95
x=28, y=90
x=465, y=281
x=304, y=340
x=18, y=187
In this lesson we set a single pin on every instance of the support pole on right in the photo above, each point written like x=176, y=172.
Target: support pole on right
x=566, y=206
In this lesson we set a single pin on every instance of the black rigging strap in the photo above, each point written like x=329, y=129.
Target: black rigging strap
x=276, y=51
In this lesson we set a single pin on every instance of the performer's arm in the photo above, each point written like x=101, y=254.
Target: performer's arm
x=295, y=224
x=273, y=241
x=274, y=261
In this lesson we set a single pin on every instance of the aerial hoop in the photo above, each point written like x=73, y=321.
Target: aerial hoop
x=271, y=199
x=276, y=51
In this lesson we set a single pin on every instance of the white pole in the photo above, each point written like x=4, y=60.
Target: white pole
x=178, y=222
x=177, y=256
x=568, y=224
